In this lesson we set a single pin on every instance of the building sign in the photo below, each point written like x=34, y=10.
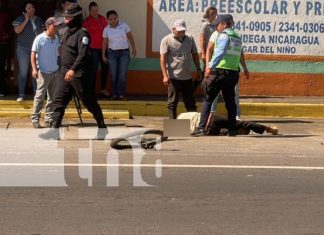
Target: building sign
x=267, y=27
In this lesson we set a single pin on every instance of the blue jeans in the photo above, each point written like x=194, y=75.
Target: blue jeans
x=118, y=64
x=23, y=57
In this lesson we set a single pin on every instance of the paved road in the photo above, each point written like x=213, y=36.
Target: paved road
x=210, y=185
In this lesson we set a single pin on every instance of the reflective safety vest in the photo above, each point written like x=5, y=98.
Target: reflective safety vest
x=231, y=59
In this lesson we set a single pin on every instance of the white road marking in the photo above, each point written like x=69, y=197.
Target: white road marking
x=160, y=165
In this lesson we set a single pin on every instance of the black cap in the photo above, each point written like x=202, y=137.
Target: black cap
x=73, y=10
x=223, y=18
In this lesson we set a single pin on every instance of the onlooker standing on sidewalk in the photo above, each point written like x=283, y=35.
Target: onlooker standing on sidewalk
x=4, y=45
x=177, y=51
x=45, y=70
x=27, y=26
x=115, y=38
x=74, y=75
x=206, y=30
x=95, y=25
x=222, y=74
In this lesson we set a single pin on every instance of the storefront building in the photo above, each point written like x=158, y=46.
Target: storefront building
x=283, y=40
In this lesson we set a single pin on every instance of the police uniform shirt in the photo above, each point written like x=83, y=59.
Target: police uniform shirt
x=75, y=51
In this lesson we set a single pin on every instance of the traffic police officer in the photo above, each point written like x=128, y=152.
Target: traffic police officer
x=222, y=74
x=74, y=74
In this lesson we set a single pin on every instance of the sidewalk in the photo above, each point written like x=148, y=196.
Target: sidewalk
x=257, y=106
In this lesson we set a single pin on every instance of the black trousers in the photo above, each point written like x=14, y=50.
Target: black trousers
x=4, y=50
x=185, y=87
x=225, y=81
x=82, y=88
x=96, y=59
x=218, y=123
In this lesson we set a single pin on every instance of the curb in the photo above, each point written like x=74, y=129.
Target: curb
x=126, y=109
x=158, y=108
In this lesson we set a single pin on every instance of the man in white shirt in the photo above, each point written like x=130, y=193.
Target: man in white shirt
x=116, y=36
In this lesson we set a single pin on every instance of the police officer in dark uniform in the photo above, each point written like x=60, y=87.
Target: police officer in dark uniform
x=222, y=74
x=75, y=74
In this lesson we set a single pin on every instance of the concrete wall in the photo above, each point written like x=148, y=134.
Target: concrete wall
x=299, y=74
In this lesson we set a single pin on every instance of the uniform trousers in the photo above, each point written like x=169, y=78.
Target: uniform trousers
x=225, y=81
x=83, y=89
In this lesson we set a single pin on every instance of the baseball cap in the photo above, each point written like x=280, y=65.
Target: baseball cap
x=227, y=18
x=52, y=20
x=73, y=10
x=179, y=25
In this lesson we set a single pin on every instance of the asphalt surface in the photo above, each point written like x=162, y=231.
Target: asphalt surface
x=254, y=184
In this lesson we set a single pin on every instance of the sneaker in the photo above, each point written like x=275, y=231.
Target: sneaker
x=122, y=98
x=20, y=99
x=198, y=132
x=53, y=133
x=238, y=118
x=272, y=129
x=36, y=125
x=2, y=95
x=101, y=133
x=48, y=124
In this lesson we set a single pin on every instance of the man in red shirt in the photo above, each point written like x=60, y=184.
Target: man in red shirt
x=95, y=24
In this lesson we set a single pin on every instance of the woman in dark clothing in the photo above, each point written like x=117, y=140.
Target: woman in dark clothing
x=27, y=26
x=4, y=45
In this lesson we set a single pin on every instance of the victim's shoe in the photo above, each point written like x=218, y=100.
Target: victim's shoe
x=272, y=129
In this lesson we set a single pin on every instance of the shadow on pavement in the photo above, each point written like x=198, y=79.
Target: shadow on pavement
x=281, y=121
x=95, y=125
x=280, y=136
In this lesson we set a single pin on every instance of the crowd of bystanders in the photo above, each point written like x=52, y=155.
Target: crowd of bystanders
x=111, y=44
